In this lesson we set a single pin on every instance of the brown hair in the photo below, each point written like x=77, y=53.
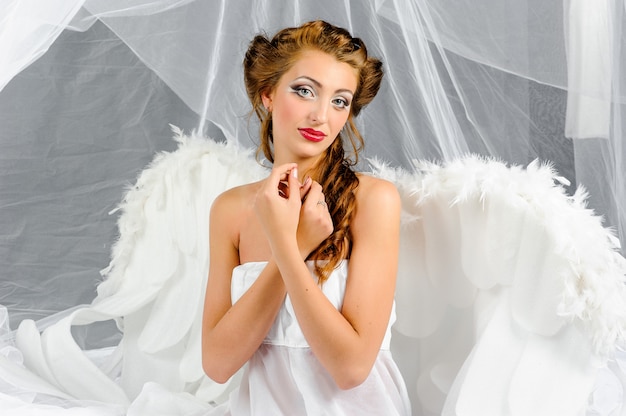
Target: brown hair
x=264, y=64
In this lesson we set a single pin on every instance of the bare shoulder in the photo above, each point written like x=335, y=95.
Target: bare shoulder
x=235, y=199
x=378, y=207
x=376, y=194
x=229, y=211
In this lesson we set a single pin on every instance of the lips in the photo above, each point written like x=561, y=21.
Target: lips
x=312, y=135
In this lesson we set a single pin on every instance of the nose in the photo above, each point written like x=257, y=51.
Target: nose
x=319, y=112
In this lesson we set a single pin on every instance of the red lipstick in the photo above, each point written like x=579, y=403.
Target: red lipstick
x=312, y=134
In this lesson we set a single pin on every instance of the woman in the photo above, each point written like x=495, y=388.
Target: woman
x=303, y=263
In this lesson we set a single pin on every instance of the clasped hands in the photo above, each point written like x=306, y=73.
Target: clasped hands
x=293, y=212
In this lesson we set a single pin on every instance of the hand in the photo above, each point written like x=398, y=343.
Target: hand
x=277, y=206
x=315, y=223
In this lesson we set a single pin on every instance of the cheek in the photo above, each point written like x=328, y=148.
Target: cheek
x=338, y=122
x=289, y=112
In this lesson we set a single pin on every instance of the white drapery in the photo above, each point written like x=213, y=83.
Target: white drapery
x=88, y=89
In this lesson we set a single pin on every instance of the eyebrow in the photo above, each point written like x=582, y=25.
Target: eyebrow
x=319, y=85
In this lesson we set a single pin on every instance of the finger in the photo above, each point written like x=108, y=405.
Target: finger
x=278, y=178
x=314, y=194
x=294, y=183
x=316, y=190
x=280, y=173
x=306, y=186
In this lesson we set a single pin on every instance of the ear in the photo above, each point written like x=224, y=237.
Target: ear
x=267, y=100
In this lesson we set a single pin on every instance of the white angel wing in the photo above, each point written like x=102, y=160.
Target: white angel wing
x=510, y=294
x=153, y=287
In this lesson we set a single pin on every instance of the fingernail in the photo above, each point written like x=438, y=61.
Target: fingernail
x=294, y=172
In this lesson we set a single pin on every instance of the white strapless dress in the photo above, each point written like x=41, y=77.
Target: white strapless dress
x=284, y=377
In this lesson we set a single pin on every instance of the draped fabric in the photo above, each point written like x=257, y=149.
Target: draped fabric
x=88, y=89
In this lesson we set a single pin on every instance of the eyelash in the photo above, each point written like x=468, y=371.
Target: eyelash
x=299, y=89
x=344, y=102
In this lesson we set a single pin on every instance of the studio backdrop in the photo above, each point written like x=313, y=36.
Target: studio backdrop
x=89, y=90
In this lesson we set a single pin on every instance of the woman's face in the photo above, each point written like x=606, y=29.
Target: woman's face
x=310, y=105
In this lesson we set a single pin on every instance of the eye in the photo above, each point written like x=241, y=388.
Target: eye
x=303, y=91
x=341, y=102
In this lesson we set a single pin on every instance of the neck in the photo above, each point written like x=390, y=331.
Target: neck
x=305, y=166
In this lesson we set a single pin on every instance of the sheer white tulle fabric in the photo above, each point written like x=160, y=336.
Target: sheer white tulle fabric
x=284, y=375
x=88, y=88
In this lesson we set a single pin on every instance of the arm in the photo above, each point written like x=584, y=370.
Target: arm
x=347, y=342
x=232, y=333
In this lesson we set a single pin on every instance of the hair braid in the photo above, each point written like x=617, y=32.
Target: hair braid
x=341, y=202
